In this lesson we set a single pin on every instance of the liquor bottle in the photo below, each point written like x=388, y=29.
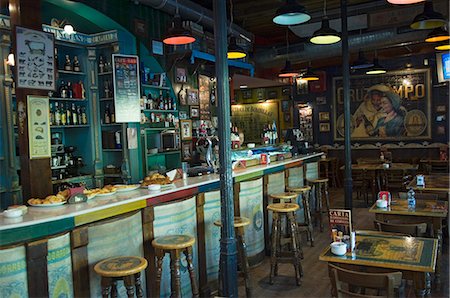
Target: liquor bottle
x=57, y=115
x=63, y=90
x=68, y=65
x=80, y=116
x=83, y=116
x=83, y=91
x=76, y=64
x=113, y=115
x=63, y=115
x=68, y=115
x=275, y=132
x=166, y=103
x=52, y=115
x=161, y=101
x=106, y=90
x=174, y=104
x=101, y=64
x=117, y=142
x=149, y=102
x=69, y=90
x=107, y=116
x=169, y=101
x=56, y=59
x=74, y=115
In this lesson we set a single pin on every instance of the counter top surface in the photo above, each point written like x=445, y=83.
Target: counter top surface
x=37, y=215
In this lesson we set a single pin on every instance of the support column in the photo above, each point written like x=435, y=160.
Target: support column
x=228, y=253
x=348, y=183
x=35, y=174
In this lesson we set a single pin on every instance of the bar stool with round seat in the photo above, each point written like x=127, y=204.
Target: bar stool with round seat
x=126, y=268
x=320, y=186
x=277, y=255
x=239, y=224
x=306, y=226
x=175, y=245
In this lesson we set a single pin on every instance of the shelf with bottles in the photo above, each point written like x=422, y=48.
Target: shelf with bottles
x=68, y=59
x=67, y=99
x=68, y=114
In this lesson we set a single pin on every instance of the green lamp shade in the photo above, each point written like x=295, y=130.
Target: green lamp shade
x=361, y=62
x=325, y=35
x=291, y=14
x=428, y=19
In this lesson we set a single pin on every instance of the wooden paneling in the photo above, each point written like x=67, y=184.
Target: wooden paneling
x=37, y=268
x=79, y=239
x=148, y=216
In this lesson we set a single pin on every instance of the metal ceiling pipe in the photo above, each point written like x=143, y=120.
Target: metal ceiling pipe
x=194, y=12
x=304, y=52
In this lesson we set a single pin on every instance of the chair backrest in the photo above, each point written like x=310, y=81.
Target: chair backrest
x=411, y=229
x=379, y=281
x=439, y=167
x=419, y=196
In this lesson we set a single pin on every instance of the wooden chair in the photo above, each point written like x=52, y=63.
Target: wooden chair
x=439, y=167
x=386, y=282
x=361, y=185
x=411, y=229
x=396, y=180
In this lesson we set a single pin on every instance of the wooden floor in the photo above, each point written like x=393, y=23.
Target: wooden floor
x=315, y=282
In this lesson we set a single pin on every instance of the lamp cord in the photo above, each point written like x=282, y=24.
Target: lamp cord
x=176, y=9
x=231, y=18
x=287, y=43
x=324, y=8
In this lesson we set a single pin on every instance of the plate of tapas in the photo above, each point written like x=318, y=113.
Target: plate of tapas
x=126, y=187
x=105, y=191
x=156, y=178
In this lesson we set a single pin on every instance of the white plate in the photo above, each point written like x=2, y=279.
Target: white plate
x=167, y=186
x=48, y=205
x=129, y=188
x=90, y=197
x=105, y=194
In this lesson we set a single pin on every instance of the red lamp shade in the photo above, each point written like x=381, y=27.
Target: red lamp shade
x=177, y=35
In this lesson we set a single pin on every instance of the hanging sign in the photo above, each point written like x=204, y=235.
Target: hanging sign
x=35, y=60
x=38, y=126
x=126, y=88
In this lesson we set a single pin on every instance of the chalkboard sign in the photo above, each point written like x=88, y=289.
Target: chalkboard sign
x=126, y=88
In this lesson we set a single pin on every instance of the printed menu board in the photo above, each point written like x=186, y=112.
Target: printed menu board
x=126, y=88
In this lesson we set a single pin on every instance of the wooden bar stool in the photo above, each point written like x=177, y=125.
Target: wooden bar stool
x=239, y=224
x=175, y=245
x=287, y=197
x=320, y=186
x=277, y=255
x=126, y=268
x=306, y=226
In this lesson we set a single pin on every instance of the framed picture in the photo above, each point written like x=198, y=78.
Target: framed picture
x=38, y=126
x=183, y=115
x=186, y=130
x=246, y=94
x=192, y=97
x=272, y=94
x=34, y=55
x=301, y=86
x=285, y=105
x=321, y=100
x=287, y=117
x=195, y=111
x=324, y=127
x=181, y=75
x=440, y=130
x=441, y=109
x=324, y=116
x=286, y=91
x=186, y=150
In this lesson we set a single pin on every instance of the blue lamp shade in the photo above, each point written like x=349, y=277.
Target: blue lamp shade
x=361, y=62
x=428, y=19
x=291, y=13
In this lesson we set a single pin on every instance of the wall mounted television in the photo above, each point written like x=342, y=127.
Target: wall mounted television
x=443, y=67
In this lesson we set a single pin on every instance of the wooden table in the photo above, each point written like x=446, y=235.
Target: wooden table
x=430, y=211
x=376, y=170
x=376, y=252
x=433, y=183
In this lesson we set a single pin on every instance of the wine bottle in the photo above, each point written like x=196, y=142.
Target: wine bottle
x=68, y=65
x=107, y=116
x=63, y=90
x=74, y=115
x=101, y=64
x=107, y=91
x=80, y=116
x=69, y=90
x=63, y=115
x=57, y=115
x=76, y=64
x=68, y=115
x=161, y=101
x=52, y=115
x=113, y=115
x=84, y=116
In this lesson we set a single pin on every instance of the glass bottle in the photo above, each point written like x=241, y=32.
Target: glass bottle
x=76, y=64
x=84, y=116
x=80, y=116
x=67, y=64
x=69, y=90
x=113, y=115
x=52, y=115
x=411, y=199
x=63, y=90
x=161, y=101
x=68, y=115
x=107, y=91
x=63, y=115
x=74, y=115
x=56, y=59
x=107, y=116
x=101, y=64
x=57, y=115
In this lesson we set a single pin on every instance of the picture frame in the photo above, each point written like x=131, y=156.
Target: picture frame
x=324, y=127
x=285, y=106
x=181, y=76
x=38, y=126
x=192, y=97
x=272, y=94
x=441, y=109
x=321, y=100
x=287, y=117
x=183, y=115
x=324, y=116
x=246, y=94
x=195, y=111
x=186, y=130
x=186, y=151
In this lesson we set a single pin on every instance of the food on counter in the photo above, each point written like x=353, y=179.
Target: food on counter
x=125, y=186
x=105, y=190
x=52, y=199
x=156, y=178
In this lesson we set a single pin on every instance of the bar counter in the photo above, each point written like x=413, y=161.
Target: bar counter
x=70, y=239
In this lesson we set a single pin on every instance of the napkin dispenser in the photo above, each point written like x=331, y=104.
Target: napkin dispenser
x=420, y=180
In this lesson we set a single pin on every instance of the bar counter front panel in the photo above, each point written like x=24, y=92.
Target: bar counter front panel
x=71, y=239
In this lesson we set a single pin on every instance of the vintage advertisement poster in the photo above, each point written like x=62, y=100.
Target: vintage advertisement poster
x=251, y=119
x=204, y=96
x=38, y=126
x=340, y=223
x=35, y=59
x=126, y=88
x=391, y=106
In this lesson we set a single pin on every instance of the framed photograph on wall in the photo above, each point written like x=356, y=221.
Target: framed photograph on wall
x=285, y=105
x=186, y=130
x=321, y=100
x=441, y=109
x=186, y=151
x=324, y=127
x=192, y=97
x=246, y=94
x=183, y=115
x=324, y=116
x=195, y=111
x=181, y=75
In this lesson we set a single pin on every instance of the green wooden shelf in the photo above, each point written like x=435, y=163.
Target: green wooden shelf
x=112, y=150
x=80, y=73
x=105, y=73
x=67, y=99
x=70, y=126
x=164, y=153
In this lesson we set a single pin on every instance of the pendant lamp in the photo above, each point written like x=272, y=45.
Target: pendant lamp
x=235, y=51
x=287, y=71
x=309, y=75
x=445, y=46
x=291, y=13
x=402, y=2
x=428, y=19
x=362, y=62
x=325, y=35
x=376, y=68
x=438, y=34
x=177, y=35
